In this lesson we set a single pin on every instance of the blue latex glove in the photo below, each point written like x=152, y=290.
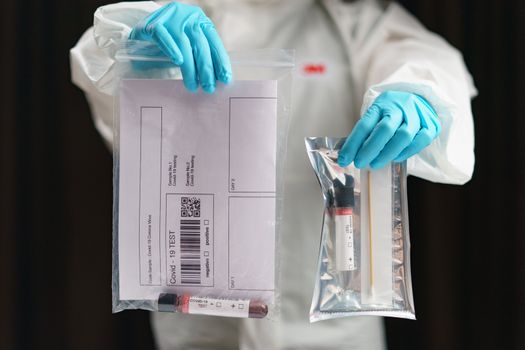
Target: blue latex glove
x=395, y=127
x=188, y=37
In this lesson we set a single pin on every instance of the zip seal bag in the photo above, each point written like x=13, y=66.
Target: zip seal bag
x=197, y=185
x=364, y=255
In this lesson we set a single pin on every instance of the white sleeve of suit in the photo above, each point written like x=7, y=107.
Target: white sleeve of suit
x=404, y=56
x=92, y=58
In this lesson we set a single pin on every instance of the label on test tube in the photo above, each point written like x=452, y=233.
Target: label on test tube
x=344, y=240
x=215, y=307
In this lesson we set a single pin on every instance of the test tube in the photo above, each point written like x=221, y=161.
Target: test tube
x=189, y=304
x=344, y=201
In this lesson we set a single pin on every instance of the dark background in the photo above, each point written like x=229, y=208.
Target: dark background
x=468, y=243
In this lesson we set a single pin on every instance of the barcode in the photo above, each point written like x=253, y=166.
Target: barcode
x=190, y=251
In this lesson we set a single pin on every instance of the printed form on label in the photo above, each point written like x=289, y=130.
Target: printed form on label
x=197, y=186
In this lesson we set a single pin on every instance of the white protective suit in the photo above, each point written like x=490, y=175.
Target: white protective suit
x=363, y=48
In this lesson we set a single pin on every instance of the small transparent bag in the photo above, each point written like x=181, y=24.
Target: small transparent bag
x=364, y=255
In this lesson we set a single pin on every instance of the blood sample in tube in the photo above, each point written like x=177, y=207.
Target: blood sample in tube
x=189, y=304
x=345, y=257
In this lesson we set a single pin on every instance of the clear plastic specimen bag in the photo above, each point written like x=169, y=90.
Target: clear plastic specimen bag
x=198, y=187
x=364, y=255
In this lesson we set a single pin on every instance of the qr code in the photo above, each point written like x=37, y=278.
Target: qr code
x=190, y=207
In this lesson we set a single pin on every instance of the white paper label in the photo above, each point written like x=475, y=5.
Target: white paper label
x=218, y=307
x=344, y=242
x=376, y=237
x=197, y=190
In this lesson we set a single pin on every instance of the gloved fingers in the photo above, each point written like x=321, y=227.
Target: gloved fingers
x=187, y=68
x=423, y=138
x=155, y=28
x=221, y=60
x=164, y=40
x=430, y=129
x=401, y=140
x=382, y=133
x=428, y=115
x=359, y=134
x=202, y=56
x=162, y=13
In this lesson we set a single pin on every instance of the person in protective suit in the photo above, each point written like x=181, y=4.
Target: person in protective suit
x=364, y=66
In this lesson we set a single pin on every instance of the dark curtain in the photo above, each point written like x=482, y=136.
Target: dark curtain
x=468, y=243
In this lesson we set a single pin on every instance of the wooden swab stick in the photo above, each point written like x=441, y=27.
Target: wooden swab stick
x=370, y=233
